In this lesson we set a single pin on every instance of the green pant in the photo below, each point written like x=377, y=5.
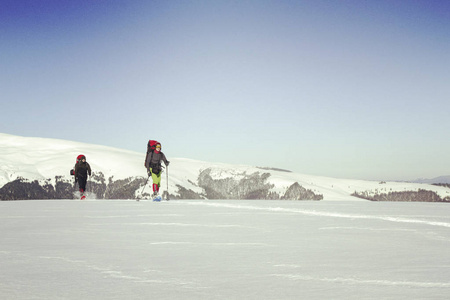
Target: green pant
x=156, y=178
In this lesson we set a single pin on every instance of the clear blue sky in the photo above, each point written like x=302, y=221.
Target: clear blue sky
x=354, y=89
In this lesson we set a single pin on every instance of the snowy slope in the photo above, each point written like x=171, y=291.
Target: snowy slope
x=224, y=249
x=43, y=159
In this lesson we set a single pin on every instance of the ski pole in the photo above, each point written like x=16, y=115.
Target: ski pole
x=167, y=182
x=145, y=184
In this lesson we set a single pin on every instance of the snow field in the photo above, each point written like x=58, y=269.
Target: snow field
x=123, y=249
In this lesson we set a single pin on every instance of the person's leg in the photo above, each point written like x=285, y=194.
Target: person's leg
x=82, y=183
x=156, y=182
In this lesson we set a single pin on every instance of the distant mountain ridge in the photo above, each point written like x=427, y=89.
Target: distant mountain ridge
x=38, y=168
x=436, y=180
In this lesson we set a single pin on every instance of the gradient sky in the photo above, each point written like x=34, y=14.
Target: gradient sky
x=351, y=89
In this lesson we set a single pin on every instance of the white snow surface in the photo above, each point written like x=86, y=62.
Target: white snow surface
x=44, y=158
x=224, y=249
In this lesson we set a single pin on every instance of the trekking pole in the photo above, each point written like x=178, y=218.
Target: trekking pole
x=145, y=184
x=167, y=182
x=88, y=185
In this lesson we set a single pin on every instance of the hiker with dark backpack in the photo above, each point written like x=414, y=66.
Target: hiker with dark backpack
x=153, y=164
x=82, y=169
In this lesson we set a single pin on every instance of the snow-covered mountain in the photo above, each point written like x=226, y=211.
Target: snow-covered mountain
x=436, y=180
x=39, y=168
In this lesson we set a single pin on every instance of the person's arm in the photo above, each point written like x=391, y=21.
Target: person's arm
x=165, y=159
x=146, y=159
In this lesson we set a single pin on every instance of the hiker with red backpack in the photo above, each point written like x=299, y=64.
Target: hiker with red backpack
x=82, y=169
x=153, y=164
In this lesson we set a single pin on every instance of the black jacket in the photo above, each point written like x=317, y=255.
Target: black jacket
x=155, y=158
x=82, y=169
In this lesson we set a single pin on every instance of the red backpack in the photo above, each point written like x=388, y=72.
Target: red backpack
x=152, y=145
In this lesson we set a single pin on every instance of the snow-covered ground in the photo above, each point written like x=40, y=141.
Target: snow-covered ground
x=44, y=159
x=123, y=249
